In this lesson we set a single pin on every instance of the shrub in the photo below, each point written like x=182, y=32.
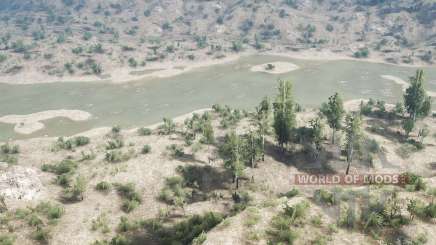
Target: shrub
x=281, y=225
x=41, y=235
x=146, y=149
x=175, y=191
x=103, y=186
x=129, y=205
x=131, y=197
x=81, y=140
x=51, y=211
x=347, y=217
x=185, y=231
x=75, y=193
x=87, y=35
x=168, y=127
x=253, y=217
x=125, y=225
x=34, y=220
x=101, y=223
x=118, y=156
x=114, y=144
x=66, y=166
x=120, y=240
x=291, y=193
x=9, y=149
x=6, y=239
x=70, y=144
x=175, y=150
x=413, y=182
x=362, y=53
x=323, y=196
x=144, y=131
x=63, y=180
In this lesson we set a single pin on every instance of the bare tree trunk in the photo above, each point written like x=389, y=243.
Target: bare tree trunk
x=333, y=136
x=263, y=148
x=348, y=168
x=237, y=183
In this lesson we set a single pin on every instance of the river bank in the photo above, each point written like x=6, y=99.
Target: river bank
x=171, y=68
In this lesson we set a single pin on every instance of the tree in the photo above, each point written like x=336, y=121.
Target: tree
x=353, y=135
x=408, y=125
x=334, y=112
x=208, y=133
x=262, y=116
x=416, y=101
x=316, y=134
x=423, y=132
x=231, y=152
x=284, y=114
x=252, y=148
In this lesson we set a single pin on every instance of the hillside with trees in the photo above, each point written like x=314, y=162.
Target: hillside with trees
x=82, y=37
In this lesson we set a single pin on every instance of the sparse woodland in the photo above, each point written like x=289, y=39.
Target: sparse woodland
x=223, y=176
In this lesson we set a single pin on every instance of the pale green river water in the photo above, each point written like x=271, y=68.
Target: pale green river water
x=147, y=101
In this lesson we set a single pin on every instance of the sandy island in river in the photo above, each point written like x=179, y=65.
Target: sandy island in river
x=404, y=84
x=28, y=124
x=278, y=67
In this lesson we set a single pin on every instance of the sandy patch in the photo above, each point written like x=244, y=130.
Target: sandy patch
x=404, y=84
x=27, y=124
x=277, y=67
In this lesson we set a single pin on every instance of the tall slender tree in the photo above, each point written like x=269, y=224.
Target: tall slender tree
x=353, y=135
x=232, y=152
x=316, y=128
x=284, y=113
x=416, y=101
x=262, y=122
x=252, y=148
x=334, y=111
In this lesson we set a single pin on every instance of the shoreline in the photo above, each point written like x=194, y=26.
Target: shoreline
x=31, y=123
x=98, y=131
x=167, y=69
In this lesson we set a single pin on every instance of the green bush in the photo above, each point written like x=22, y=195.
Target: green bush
x=281, y=225
x=168, y=127
x=114, y=144
x=103, y=186
x=146, y=149
x=9, y=149
x=291, y=193
x=66, y=166
x=75, y=193
x=120, y=240
x=116, y=156
x=185, y=231
x=175, y=191
x=324, y=196
x=413, y=182
x=51, y=211
x=131, y=197
x=63, y=180
x=144, y=131
x=6, y=239
x=41, y=235
x=176, y=150
x=81, y=140
x=362, y=53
